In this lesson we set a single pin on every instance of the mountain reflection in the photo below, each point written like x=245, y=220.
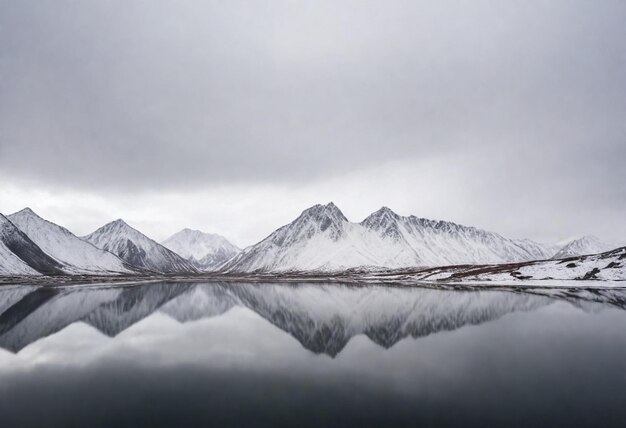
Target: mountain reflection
x=322, y=317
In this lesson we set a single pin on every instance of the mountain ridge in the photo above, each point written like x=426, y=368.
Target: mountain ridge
x=320, y=240
x=323, y=239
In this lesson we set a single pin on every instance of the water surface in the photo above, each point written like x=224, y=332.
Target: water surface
x=244, y=354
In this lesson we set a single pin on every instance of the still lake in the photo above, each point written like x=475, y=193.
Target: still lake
x=310, y=354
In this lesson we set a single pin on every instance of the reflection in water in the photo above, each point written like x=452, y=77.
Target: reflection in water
x=223, y=353
x=323, y=318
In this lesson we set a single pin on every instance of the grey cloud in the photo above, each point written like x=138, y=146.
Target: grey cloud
x=144, y=95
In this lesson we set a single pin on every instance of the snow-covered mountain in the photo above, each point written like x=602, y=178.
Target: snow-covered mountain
x=21, y=256
x=137, y=249
x=206, y=251
x=322, y=239
x=583, y=246
x=75, y=255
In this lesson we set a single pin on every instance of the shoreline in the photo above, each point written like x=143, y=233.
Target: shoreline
x=391, y=279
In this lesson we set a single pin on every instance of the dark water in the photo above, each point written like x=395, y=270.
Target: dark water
x=239, y=354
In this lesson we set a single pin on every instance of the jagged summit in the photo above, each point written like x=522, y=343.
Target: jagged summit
x=329, y=209
x=326, y=214
x=385, y=221
x=385, y=216
x=318, y=219
x=384, y=210
x=383, y=213
x=137, y=249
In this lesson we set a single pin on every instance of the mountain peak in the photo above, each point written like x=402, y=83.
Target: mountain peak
x=137, y=249
x=119, y=222
x=119, y=225
x=587, y=238
x=584, y=245
x=329, y=210
x=206, y=251
x=584, y=241
x=195, y=234
x=324, y=217
x=27, y=212
x=384, y=220
x=192, y=233
x=120, y=228
x=384, y=212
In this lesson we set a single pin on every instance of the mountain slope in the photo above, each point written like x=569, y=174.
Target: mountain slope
x=322, y=239
x=11, y=265
x=607, y=266
x=21, y=256
x=137, y=249
x=206, y=251
x=76, y=255
x=583, y=246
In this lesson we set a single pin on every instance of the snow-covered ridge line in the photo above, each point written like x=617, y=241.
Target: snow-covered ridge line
x=322, y=239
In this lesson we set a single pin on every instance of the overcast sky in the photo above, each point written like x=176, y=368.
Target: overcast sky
x=232, y=117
